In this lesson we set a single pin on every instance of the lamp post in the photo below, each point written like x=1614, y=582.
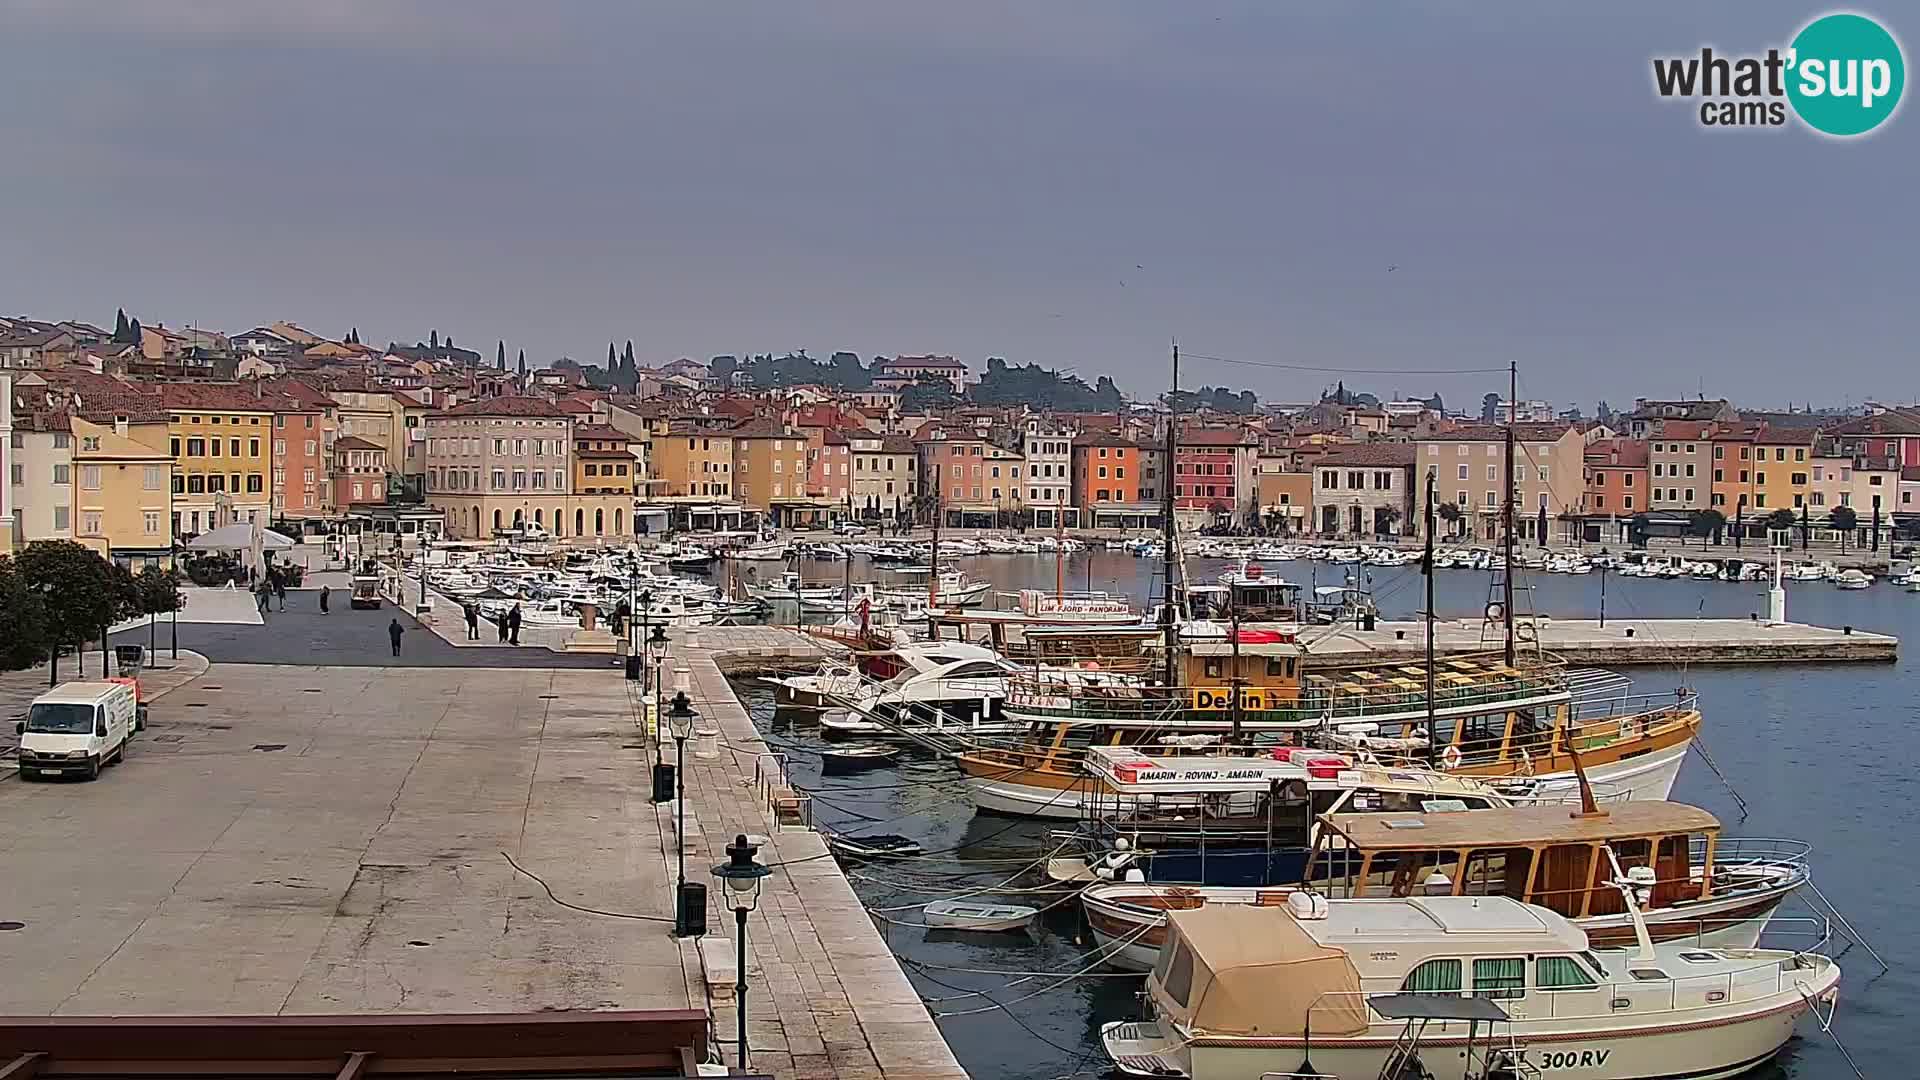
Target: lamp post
x=53, y=649
x=741, y=874
x=680, y=721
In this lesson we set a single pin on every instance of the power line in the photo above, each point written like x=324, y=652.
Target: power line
x=1345, y=370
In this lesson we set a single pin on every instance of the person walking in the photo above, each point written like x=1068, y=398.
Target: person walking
x=394, y=630
x=500, y=621
x=513, y=625
x=324, y=594
x=280, y=590
x=260, y=596
x=473, y=622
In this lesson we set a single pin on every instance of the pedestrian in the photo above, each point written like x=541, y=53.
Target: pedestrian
x=260, y=596
x=513, y=625
x=394, y=630
x=500, y=621
x=280, y=590
x=324, y=594
x=473, y=622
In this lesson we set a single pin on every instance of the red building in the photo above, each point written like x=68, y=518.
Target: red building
x=1215, y=468
x=359, y=472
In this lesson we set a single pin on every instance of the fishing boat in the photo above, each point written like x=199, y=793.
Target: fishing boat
x=856, y=758
x=975, y=915
x=1318, y=987
x=946, y=587
x=1707, y=890
x=870, y=846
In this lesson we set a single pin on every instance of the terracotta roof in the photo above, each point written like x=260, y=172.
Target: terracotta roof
x=1498, y=433
x=1374, y=455
x=1632, y=453
x=1685, y=429
x=509, y=405
x=46, y=420
x=355, y=442
x=762, y=428
x=599, y=431
x=300, y=392
x=1103, y=438
x=213, y=397
x=1215, y=437
x=1891, y=422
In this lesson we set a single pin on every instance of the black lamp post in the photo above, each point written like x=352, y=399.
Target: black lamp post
x=663, y=773
x=680, y=722
x=741, y=874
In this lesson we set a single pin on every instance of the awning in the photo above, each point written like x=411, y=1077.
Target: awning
x=239, y=537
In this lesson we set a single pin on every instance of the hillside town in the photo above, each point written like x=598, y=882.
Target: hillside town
x=134, y=440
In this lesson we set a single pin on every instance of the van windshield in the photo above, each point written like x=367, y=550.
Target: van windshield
x=58, y=719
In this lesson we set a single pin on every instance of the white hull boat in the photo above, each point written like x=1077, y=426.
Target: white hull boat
x=975, y=915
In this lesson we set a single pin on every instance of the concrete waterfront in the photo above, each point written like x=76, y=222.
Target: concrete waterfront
x=1619, y=643
x=297, y=838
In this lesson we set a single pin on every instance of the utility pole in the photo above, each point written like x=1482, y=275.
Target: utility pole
x=1233, y=684
x=1169, y=624
x=1433, y=483
x=1512, y=493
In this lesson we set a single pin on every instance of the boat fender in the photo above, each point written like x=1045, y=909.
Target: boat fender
x=1135, y=875
x=1526, y=762
x=1626, y=727
x=1450, y=758
x=1306, y=905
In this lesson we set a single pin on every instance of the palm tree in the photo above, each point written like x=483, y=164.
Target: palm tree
x=1386, y=517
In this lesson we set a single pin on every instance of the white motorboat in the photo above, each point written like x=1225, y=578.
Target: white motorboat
x=976, y=915
x=964, y=696
x=1852, y=579
x=792, y=589
x=954, y=588
x=1245, y=991
x=775, y=551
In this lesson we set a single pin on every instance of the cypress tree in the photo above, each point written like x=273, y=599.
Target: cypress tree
x=500, y=355
x=120, y=324
x=433, y=340
x=613, y=364
x=523, y=364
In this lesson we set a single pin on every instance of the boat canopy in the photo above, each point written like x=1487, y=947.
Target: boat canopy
x=1518, y=826
x=1229, y=969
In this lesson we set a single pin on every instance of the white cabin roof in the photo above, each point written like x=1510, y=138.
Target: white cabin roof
x=1494, y=923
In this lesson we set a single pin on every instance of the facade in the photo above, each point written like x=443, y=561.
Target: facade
x=7, y=458
x=123, y=491
x=301, y=462
x=1470, y=466
x=221, y=438
x=885, y=471
x=499, y=463
x=1758, y=468
x=602, y=463
x=829, y=467
x=1617, y=478
x=912, y=368
x=690, y=461
x=1365, y=489
x=40, y=476
x=1286, y=496
x=1106, y=482
x=359, y=473
x=1680, y=466
x=1047, y=445
x=1213, y=473
x=770, y=472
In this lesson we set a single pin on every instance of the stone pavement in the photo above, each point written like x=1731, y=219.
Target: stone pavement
x=19, y=688
x=826, y=998
x=327, y=840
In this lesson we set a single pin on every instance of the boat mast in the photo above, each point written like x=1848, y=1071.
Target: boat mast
x=1433, y=482
x=1167, y=621
x=933, y=558
x=1513, y=494
x=1059, y=550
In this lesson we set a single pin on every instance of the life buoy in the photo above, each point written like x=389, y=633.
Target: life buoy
x=1496, y=610
x=1450, y=757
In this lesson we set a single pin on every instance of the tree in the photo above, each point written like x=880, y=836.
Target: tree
x=927, y=393
x=1844, y=519
x=1780, y=520
x=1604, y=413
x=78, y=590
x=1638, y=530
x=1385, y=518
x=134, y=333
x=523, y=365
x=1706, y=523
x=1449, y=513
x=120, y=326
x=23, y=613
x=613, y=361
x=433, y=340
x=500, y=354
x=159, y=590
x=448, y=344
x=1490, y=408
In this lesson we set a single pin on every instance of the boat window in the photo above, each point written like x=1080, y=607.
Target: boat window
x=1213, y=668
x=1434, y=977
x=975, y=670
x=1699, y=957
x=1561, y=973
x=1648, y=974
x=1276, y=668
x=1080, y=736
x=1498, y=872
x=1179, y=979
x=1594, y=961
x=1500, y=977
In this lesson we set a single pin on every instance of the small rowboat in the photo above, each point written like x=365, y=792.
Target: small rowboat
x=874, y=846
x=974, y=915
x=854, y=758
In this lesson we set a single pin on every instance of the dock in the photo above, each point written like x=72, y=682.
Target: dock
x=1619, y=643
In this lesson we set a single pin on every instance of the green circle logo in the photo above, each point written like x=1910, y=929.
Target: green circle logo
x=1846, y=74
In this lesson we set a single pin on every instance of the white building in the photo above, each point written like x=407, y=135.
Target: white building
x=1048, y=446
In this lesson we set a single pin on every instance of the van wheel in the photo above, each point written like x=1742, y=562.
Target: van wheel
x=29, y=774
x=93, y=769
x=119, y=753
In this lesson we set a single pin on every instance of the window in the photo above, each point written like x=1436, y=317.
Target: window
x=1689, y=470
x=179, y=484
x=1760, y=479
x=233, y=447
x=1689, y=496
x=1872, y=481
x=196, y=485
x=61, y=440
x=1103, y=472
x=1656, y=469
x=1331, y=480
x=1463, y=472
x=1560, y=973
x=196, y=447
x=1799, y=453
x=1489, y=499
x=308, y=477
x=1719, y=475
x=1432, y=977
x=1801, y=478
x=90, y=478
x=1500, y=977
x=1719, y=452
x=1493, y=474
x=1120, y=473
x=60, y=514
x=60, y=474
x=153, y=522
x=253, y=447
x=1459, y=498
x=310, y=448
x=1627, y=499
x=90, y=523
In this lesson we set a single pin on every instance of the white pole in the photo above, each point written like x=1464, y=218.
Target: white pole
x=1776, y=596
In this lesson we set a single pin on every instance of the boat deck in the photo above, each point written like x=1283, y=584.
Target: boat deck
x=1620, y=642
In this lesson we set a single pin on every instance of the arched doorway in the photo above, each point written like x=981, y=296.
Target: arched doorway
x=540, y=518
x=599, y=523
x=519, y=518
x=616, y=522
x=496, y=520
x=476, y=522
x=579, y=523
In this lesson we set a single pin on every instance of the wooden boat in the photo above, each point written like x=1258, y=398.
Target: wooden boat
x=855, y=758
x=873, y=846
x=975, y=915
x=1705, y=890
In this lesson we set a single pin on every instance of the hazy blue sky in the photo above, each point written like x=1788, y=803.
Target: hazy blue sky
x=1067, y=183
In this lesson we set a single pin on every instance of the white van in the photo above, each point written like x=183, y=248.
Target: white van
x=76, y=728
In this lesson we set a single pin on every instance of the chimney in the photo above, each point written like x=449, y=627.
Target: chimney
x=120, y=425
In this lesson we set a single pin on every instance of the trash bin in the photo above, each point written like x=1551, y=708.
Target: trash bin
x=128, y=659
x=635, y=663
x=662, y=782
x=691, y=914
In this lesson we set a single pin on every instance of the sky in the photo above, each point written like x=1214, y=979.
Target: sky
x=1423, y=187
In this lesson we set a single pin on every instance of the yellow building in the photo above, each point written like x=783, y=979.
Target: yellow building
x=690, y=461
x=1759, y=468
x=123, y=487
x=770, y=472
x=221, y=440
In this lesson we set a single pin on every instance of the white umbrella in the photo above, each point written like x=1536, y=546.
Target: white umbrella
x=242, y=536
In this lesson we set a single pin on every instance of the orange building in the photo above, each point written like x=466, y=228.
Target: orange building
x=1106, y=481
x=359, y=473
x=1616, y=477
x=303, y=437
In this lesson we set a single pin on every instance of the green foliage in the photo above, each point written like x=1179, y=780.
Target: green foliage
x=214, y=568
x=79, y=589
x=1219, y=399
x=1844, y=518
x=1780, y=519
x=23, y=613
x=1706, y=522
x=1031, y=384
x=929, y=393
x=159, y=590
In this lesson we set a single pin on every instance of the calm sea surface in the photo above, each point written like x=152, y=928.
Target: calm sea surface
x=1824, y=754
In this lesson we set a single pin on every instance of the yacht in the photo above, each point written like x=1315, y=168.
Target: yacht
x=1852, y=579
x=1355, y=989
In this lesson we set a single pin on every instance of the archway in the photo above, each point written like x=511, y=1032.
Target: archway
x=476, y=523
x=496, y=520
x=540, y=518
x=599, y=522
x=616, y=521
x=579, y=523
x=519, y=518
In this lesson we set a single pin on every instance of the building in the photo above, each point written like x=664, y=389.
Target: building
x=1680, y=463
x=1469, y=464
x=691, y=461
x=359, y=474
x=499, y=463
x=1106, y=482
x=602, y=462
x=1617, y=488
x=7, y=457
x=220, y=435
x=978, y=481
x=123, y=487
x=885, y=472
x=770, y=472
x=1047, y=444
x=25, y=349
x=1364, y=489
x=906, y=370
x=1650, y=414
x=1213, y=474
x=303, y=433
x=1894, y=434
x=829, y=467
x=1760, y=468
x=1286, y=496
x=40, y=475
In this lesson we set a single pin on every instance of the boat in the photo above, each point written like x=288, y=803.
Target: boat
x=792, y=589
x=855, y=758
x=842, y=679
x=975, y=915
x=1852, y=579
x=867, y=846
x=770, y=551
x=965, y=694
x=949, y=587
x=1708, y=890
x=1323, y=987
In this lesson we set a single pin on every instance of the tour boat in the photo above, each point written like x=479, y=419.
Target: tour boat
x=1708, y=890
x=976, y=915
x=1323, y=987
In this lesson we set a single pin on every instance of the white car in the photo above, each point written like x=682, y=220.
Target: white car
x=850, y=528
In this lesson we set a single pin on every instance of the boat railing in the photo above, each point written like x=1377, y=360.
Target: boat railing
x=1058, y=694
x=1731, y=852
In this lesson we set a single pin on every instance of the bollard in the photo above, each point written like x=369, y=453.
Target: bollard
x=706, y=743
x=1629, y=631
x=1846, y=630
x=1399, y=635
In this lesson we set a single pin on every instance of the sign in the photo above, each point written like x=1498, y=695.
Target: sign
x=1220, y=698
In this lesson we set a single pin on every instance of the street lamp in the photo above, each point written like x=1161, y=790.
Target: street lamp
x=741, y=874
x=680, y=722
x=53, y=649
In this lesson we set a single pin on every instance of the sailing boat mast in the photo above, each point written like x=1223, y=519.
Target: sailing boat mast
x=933, y=557
x=1513, y=495
x=1433, y=482
x=1169, y=625
x=1059, y=551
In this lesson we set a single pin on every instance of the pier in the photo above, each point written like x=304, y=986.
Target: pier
x=1619, y=643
